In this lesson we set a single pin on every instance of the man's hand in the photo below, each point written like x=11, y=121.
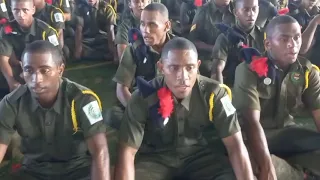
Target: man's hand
x=269, y=174
x=316, y=19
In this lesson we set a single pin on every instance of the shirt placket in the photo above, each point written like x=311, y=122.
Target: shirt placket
x=49, y=121
x=282, y=102
x=180, y=117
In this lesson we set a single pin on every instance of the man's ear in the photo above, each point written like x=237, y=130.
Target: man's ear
x=266, y=43
x=168, y=26
x=61, y=69
x=160, y=66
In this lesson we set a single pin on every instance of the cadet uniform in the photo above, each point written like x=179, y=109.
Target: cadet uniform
x=53, y=140
x=93, y=20
x=278, y=96
x=267, y=11
x=14, y=40
x=132, y=65
x=129, y=21
x=182, y=144
x=207, y=32
x=52, y=16
x=64, y=5
x=228, y=46
x=4, y=15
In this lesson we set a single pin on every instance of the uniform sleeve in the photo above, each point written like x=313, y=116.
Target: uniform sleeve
x=221, y=48
x=7, y=121
x=197, y=26
x=311, y=96
x=6, y=48
x=133, y=121
x=110, y=15
x=245, y=93
x=64, y=6
x=224, y=115
x=90, y=117
x=57, y=19
x=52, y=37
x=184, y=17
x=126, y=70
x=3, y=10
x=122, y=33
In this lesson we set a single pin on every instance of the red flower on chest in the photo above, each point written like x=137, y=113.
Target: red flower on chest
x=259, y=65
x=8, y=29
x=166, y=102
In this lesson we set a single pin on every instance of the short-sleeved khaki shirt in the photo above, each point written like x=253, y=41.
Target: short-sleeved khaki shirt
x=14, y=39
x=49, y=142
x=128, y=22
x=52, y=16
x=126, y=72
x=280, y=99
x=187, y=126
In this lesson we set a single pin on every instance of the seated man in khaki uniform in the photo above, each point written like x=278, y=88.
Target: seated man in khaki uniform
x=269, y=90
x=140, y=58
x=59, y=121
x=15, y=35
x=181, y=125
x=130, y=19
x=233, y=39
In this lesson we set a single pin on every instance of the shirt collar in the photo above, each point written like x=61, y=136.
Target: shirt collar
x=215, y=8
x=168, y=38
x=56, y=106
x=252, y=33
x=33, y=28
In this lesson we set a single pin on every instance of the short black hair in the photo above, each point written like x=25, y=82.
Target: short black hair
x=282, y=19
x=41, y=47
x=238, y=2
x=162, y=9
x=178, y=43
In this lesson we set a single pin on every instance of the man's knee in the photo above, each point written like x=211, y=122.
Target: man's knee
x=152, y=171
x=285, y=171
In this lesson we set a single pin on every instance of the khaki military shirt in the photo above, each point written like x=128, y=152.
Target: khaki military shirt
x=128, y=22
x=52, y=16
x=15, y=40
x=280, y=99
x=95, y=18
x=187, y=126
x=49, y=143
x=3, y=10
x=126, y=72
x=64, y=5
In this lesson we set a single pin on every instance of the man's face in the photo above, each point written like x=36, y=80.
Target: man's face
x=23, y=12
x=137, y=6
x=153, y=27
x=285, y=42
x=180, y=71
x=247, y=12
x=42, y=74
x=92, y=2
x=309, y=4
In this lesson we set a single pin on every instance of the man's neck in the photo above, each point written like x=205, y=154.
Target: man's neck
x=283, y=66
x=159, y=46
x=49, y=99
x=244, y=28
x=222, y=7
x=27, y=28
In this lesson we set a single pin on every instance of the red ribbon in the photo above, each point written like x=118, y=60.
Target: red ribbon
x=259, y=65
x=166, y=102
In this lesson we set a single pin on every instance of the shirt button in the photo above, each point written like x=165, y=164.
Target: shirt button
x=48, y=123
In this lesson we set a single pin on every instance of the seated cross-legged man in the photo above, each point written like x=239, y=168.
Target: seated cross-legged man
x=181, y=125
x=59, y=121
x=140, y=58
x=269, y=90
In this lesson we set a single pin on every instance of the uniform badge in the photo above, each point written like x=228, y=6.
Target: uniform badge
x=93, y=112
x=267, y=81
x=166, y=120
x=54, y=40
x=88, y=13
x=227, y=106
x=193, y=27
x=3, y=7
x=296, y=77
x=67, y=3
x=240, y=44
x=144, y=60
x=58, y=17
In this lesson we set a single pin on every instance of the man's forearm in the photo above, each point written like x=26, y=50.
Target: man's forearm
x=258, y=146
x=61, y=40
x=123, y=95
x=241, y=164
x=100, y=169
x=6, y=70
x=203, y=46
x=307, y=37
x=124, y=169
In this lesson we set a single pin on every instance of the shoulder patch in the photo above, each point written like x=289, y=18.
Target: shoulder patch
x=193, y=27
x=58, y=17
x=3, y=7
x=93, y=112
x=227, y=105
x=54, y=40
x=67, y=4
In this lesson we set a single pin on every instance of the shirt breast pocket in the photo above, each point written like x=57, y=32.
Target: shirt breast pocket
x=266, y=92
